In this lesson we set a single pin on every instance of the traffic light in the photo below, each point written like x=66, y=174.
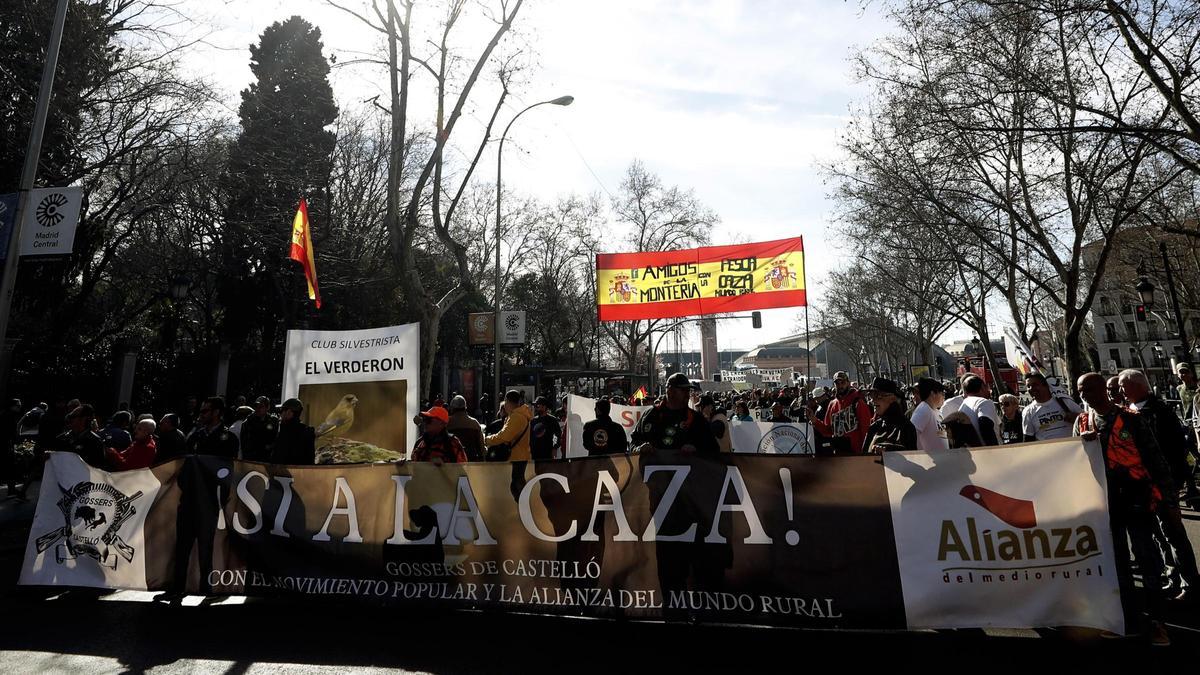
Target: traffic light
x=756, y=319
x=1140, y=311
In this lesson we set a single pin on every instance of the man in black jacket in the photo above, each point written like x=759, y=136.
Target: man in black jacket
x=211, y=436
x=170, y=441
x=673, y=425
x=890, y=429
x=259, y=431
x=79, y=437
x=1138, y=480
x=544, y=431
x=603, y=436
x=297, y=442
x=1172, y=440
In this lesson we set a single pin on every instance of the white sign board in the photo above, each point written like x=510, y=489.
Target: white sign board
x=773, y=375
x=771, y=439
x=95, y=536
x=512, y=328
x=993, y=537
x=49, y=222
x=581, y=410
x=364, y=384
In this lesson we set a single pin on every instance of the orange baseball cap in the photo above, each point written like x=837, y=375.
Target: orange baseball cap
x=438, y=413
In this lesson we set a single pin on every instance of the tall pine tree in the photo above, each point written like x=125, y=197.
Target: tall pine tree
x=284, y=153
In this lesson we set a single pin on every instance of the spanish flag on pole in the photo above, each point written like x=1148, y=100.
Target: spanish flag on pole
x=302, y=251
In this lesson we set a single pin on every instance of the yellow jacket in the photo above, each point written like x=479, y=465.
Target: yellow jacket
x=515, y=431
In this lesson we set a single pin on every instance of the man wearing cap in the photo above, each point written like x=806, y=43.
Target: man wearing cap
x=603, y=436
x=544, y=432
x=890, y=429
x=436, y=444
x=927, y=417
x=673, y=425
x=211, y=436
x=296, y=442
x=1187, y=389
x=846, y=419
x=515, y=434
x=466, y=429
x=259, y=431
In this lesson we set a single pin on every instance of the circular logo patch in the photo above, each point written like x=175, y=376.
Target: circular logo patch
x=784, y=440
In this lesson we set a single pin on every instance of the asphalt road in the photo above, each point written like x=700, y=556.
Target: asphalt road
x=125, y=632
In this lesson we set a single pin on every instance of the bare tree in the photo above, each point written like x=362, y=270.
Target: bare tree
x=993, y=166
x=430, y=202
x=655, y=218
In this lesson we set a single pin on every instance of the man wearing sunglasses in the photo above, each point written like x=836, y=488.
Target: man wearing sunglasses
x=211, y=436
x=673, y=425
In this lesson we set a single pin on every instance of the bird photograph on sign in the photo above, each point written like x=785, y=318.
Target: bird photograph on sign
x=356, y=421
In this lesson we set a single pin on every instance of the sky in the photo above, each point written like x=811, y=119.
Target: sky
x=740, y=101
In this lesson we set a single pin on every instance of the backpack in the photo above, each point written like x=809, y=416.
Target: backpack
x=502, y=451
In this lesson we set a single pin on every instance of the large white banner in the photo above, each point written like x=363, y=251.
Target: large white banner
x=751, y=437
x=1005, y=537
x=771, y=439
x=93, y=536
x=581, y=410
x=357, y=385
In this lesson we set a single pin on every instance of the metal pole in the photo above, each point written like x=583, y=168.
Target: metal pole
x=562, y=100
x=496, y=293
x=807, y=348
x=1162, y=247
x=653, y=365
x=33, y=154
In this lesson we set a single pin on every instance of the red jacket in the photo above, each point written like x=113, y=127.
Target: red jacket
x=139, y=455
x=847, y=417
x=443, y=446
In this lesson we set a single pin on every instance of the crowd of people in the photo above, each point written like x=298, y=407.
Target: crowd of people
x=127, y=441
x=1147, y=445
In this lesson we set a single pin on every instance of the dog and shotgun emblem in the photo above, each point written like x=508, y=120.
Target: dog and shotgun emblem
x=93, y=515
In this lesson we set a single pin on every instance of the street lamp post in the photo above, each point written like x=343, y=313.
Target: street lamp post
x=561, y=100
x=1146, y=290
x=1158, y=360
x=180, y=286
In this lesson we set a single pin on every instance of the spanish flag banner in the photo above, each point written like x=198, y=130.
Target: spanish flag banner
x=302, y=251
x=707, y=280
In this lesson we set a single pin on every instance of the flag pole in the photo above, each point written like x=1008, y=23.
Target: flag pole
x=8, y=282
x=807, y=337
